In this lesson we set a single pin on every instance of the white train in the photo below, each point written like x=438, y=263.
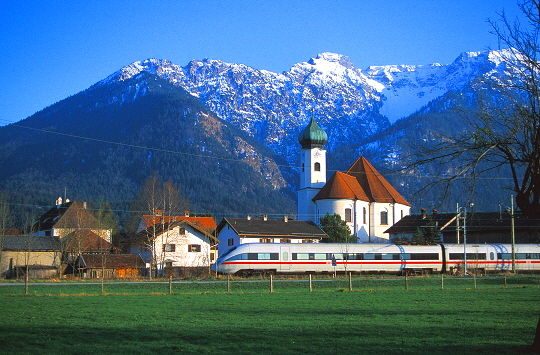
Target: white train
x=297, y=258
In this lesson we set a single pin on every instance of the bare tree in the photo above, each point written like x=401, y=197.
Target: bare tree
x=163, y=201
x=503, y=134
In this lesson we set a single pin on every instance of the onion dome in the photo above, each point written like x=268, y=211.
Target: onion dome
x=313, y=136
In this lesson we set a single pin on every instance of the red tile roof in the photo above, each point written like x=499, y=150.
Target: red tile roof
x=342, y=186
x=363, y=182
x=206, y=223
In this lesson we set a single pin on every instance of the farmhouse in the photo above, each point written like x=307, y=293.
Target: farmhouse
x=66, y=218
x=361, y=196
x=234, y=231
x=174, y=246
x=40, y=255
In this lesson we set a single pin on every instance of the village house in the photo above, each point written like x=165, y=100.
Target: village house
x=66, y=218
x=175, y=248
x=39, y=255
x=234, y=231
x=363, y=198
x=78, y=231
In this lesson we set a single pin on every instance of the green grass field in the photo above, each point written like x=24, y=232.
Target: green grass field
x=203, y=319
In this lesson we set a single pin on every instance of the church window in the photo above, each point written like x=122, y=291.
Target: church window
x=364, y=215
x=384, y=217
x=348, y=215
x=317, y=166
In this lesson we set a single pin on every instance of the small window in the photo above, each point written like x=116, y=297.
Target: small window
x=168, y=264
x=194, y=248
x=364, y=215
x=317, y=166
x=284, y=240
x=266, y=240
x=230, y=241
x=171, y=248
x=182, y=231
x=348, y=215
x=384, y=217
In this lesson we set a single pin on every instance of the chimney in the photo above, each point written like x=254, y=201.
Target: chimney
x=435, y=211
x=186, y=213
x=265, y=218
x=249, y=218
x=423, y=213
x=84, y=205
x=286, y=218
x=58, y=202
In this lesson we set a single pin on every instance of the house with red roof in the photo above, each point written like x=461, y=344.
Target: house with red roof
x=361, y=195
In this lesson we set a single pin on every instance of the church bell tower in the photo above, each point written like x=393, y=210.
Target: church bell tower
x=313, y=168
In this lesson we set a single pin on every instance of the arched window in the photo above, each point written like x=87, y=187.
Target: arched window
x=317, y=166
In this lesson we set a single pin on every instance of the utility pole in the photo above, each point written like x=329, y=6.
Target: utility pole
x=513, y=234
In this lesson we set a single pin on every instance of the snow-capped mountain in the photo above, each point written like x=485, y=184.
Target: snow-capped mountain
x=351, y=104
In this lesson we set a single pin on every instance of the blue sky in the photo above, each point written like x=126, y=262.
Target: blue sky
x=50, y=50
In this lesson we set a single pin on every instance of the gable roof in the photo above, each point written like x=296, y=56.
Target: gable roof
x=207, y=223
x=342, y=186
x=362, y=182
x=377, y=188
x=110, y=261
x=260, y=228
x=29, y=243
x=67, y=215
x=81, y=241
x=160, y=228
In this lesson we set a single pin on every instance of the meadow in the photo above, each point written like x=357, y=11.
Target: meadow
x=377, y=317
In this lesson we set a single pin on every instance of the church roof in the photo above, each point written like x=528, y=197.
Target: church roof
x=342, y=186
x=312, y=136
x=370, y=185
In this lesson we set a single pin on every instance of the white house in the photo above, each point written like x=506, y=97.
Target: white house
x=177, y=244
x=361, y=195
x=234, y=231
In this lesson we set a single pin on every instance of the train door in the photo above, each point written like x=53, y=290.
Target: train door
x=285, y=257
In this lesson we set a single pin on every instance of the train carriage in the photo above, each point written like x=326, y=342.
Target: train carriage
x=284, y=258
x=491, y=257
x=328, y=258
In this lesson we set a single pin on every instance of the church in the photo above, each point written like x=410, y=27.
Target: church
x=361, y=195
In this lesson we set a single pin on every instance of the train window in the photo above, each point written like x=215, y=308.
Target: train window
x=285, y=256
x=387, y=256
x=319, y=256
x=369, y=256
x=264, y=256
x=470, y=256
x=491, y=256
x=338, y=256
x=504, y=256
x=253, y=256
x=238, y=257
x=300, y=256
x=354, y=256
x=405, y=256
x=534, y=256
x=521, y=256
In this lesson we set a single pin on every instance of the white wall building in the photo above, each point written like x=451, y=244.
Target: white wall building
x=361, y=196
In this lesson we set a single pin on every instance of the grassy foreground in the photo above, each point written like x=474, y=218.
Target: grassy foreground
x=455, y=321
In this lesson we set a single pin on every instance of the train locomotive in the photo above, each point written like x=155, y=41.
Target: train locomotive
x=320, y=258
